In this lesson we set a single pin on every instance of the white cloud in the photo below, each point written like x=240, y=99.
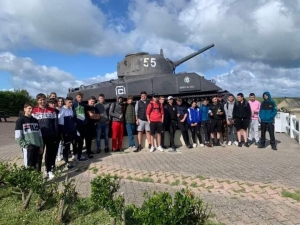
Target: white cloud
x=261, y=38
x=26, y=74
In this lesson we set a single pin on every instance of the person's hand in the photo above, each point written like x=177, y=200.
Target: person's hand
x=228, y=122
x=211, y=114
x=182, y=120
x=149, y=121
x=137, y=123
x=195, y=124
x=41, y=150
x=178, y=114
x=233, y=121
x=220, y=113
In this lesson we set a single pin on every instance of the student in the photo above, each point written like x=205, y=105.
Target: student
x=224, y=123
x=68, y=128
x=81, y=127
x=162, y=102
x=60, y=103
x=231, y=130
x=216, y=112
x=116, y=111
x=194, y=121
x=181, y=110
x=170, y=120
x=241, y=116
x=267, y=113
x=130, y=123
x=53, y=95
x=47, y=119
x=205, y=121
x=29, y=137
x=92, y=116
x=103, y=123
x=255, y=106
x=141, y=120
x=155, y=116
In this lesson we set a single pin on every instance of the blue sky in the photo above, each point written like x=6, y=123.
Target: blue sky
x=73, y=43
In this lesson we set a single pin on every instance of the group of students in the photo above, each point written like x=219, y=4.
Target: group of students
x=57, y=123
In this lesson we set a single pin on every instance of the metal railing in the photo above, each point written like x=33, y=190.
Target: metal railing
x=293, y=127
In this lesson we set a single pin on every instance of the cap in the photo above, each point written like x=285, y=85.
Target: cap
x=170, y=97
x=155, y=95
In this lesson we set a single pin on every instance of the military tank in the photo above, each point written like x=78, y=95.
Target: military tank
x=152, y=73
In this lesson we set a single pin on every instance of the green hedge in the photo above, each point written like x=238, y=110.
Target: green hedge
x=13, y=101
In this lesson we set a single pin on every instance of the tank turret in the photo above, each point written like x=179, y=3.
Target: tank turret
x=152, y=73
x=145, y=64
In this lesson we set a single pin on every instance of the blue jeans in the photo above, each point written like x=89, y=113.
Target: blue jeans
x=102, y=128
x=130, y=127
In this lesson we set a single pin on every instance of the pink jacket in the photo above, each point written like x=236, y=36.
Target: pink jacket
x=255, y=106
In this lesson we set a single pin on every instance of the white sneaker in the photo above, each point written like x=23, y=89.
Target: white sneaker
x=194, y=145
x=59, y=158
x=152, y=149
x=128, y=150
x=229, y=143
x=50, y=176
x=74, y=157
x=224, y=143
x=201, y=145
x=236, y=143
x=133, y=148
x=160, y=148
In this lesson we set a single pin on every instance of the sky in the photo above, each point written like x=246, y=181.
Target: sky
x=53, y=45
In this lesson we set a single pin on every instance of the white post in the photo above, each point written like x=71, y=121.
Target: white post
x=292, y=126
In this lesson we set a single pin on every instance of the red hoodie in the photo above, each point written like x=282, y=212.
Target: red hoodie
x=155, y=110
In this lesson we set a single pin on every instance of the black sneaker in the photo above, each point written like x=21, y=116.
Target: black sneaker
x=218, y=143
x=247, y=145
x=90, y=156
x=106, y=150
x=149, y=146
x=92, y=153
x=138, y=149
x=70, y=166
x=274, y=147
x=82, y=159
x=118, y=150
x=189, y=146
x=240, y=144
x=261, y=146
x=98, y=151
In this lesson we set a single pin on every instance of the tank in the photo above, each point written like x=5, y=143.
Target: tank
x=154, y=74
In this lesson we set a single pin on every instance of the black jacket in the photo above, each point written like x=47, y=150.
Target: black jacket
x=214, y=109
x=170, y=112
x=241, y=110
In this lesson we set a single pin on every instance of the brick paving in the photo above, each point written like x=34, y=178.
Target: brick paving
x=243, y=185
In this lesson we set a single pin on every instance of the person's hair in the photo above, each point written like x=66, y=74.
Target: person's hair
x=143, y=93
x=252, y=94
x=205, y=99
x=69, y=99
x=92, y=98
x=129, y=97
x=179, y=99
x=28, y=104
x=60, y=98
x=52, y=100
x=80, y=94
x=213, y=97
x=161, y=97
x=102, y=95
x=230, y=95
x=53, y=93
x=241, y=95
x=194, y=101
x=40, y=95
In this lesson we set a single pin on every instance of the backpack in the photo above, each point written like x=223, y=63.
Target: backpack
x=152, y=107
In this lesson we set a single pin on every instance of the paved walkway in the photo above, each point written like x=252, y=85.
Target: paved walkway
x=244, y=185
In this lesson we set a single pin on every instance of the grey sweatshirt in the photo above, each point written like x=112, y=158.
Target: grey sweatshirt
x=115, y=111
x=228, y=108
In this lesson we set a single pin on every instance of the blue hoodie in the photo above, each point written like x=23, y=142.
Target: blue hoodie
x=194, y=115
x=204, y=112
x=268, y=109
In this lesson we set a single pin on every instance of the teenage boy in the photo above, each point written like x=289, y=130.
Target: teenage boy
x=155, y=116
x=267, y=113
x=29, y=137
x=141, y=120
x=241, y=116
x=224, y=122
x=165, y=128
x=92, y=116
x=47, y=119
x=103, y=123
x=182, y=124
x=194, y=121
x=66, y=122
x=130, y=123
x=116, y=111
x=231, y=131
x=81, y=126
x=255, y=106
x=205, y=122
x=170, y=119
x=216, y=112
x=53, y=95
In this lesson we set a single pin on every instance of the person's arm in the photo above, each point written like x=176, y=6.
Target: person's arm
x=162, y=112
x=257, y=110
x=226, y=112
x=148, y=111
x=136, y=108
x=249, y=111
x=260, y=111
x=61, y=121
x=274, y=110
x=41, y=140
x=189, y=116
x=112, y=111
x=19, y=134
x=95, y=115
x=234, y=112
x=200, y=116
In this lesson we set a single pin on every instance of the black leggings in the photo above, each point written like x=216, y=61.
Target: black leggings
x=206, y=130
x=184, y=131
x=195, y=130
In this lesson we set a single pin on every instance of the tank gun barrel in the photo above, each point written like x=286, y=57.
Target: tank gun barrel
x=178, y=62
